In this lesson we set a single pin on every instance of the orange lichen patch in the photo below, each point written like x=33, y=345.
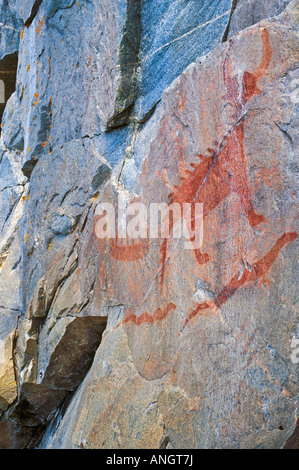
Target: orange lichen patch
x=39, y=25
x=28, y=67
x=24, y=198
x=36, y=96
x=45, y=143
x=22, y=34
x=255, y=272
x=159, y=315
x=49, y=246
x=25, y=238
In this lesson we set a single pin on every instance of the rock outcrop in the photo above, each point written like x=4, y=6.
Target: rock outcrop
x=142, y=343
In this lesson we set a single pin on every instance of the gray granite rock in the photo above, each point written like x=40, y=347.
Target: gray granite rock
x=210, y=338
x=175, y=33
x=71, y=77
x=250, y=12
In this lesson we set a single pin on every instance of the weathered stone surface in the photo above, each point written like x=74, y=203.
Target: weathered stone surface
x=145, y=344
x=250, y=12
x=10, y=28
x=12, y=134
x=11, y=185
x=27, y=9
x=175, y=33
x=89, y=76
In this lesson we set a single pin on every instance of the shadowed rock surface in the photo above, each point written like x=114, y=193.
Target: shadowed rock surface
x=143, y=343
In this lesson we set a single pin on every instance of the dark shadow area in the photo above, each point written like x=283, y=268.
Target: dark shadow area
x=24, y=424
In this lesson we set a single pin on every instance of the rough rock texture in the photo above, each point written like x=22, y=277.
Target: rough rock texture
x=10, y=28
x=144, y=344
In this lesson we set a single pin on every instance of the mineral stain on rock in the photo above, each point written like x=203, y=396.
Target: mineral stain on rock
x=102, y=175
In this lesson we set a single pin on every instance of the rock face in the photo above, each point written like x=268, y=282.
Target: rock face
x=142, y=343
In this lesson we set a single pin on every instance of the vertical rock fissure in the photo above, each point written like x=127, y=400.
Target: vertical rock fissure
x=27, y=420
x=226, y=33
